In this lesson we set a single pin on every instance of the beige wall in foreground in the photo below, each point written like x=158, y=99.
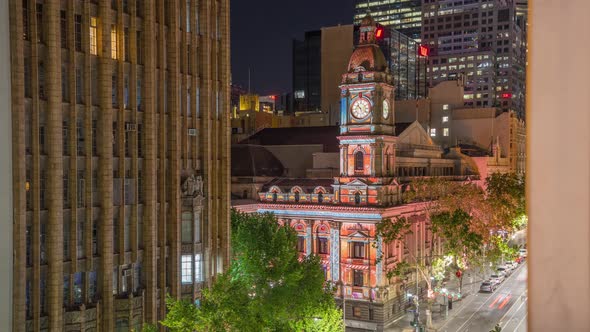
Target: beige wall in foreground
x=558, y=178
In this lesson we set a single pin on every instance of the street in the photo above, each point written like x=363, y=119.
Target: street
x=482, y=311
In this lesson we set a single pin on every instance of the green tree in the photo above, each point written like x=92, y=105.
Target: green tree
x=267, y=287
x=505, y=192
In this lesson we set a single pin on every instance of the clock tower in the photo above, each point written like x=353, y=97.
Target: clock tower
x=367, y=141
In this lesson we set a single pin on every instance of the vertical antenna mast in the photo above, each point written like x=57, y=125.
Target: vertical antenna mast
x=248, y=80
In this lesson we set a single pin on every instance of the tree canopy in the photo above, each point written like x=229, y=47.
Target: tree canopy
x=267, y=287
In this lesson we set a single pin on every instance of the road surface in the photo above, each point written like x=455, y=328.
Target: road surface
x=482, y=311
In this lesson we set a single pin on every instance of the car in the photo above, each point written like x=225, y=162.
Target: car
x=504, y=269
x=497, y=278
x=487, y=287
x=512, y=265
x=523, y=252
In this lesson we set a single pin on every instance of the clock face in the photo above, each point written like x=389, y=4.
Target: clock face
x=385, y=108
x=361, y=108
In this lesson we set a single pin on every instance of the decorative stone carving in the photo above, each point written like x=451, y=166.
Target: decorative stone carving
x=192, y=185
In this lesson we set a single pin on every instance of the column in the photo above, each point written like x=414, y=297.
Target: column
x=309, y=237
x=54, y=165
x=335, y=250
x=149, y=170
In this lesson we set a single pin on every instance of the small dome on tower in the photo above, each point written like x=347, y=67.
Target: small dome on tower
x=368, y=21
x=367, y=58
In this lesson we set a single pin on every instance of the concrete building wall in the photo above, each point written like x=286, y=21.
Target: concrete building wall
x=558, y=189
x=337, y=46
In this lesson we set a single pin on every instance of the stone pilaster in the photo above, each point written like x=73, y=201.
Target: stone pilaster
x=150, y=167
x=335, y=250
x=54, y=165
x=105, y=166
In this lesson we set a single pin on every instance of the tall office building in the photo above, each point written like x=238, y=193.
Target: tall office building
x=307, y=63
x=121, y=171
x=483, y=41
x=404, y=16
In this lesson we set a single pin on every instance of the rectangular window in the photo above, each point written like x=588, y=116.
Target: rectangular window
x=188, y=15
x=92, y=285
x=358, y=278
x=115, y=280
x=186, y=269
x=114, y=95
x=66, y=291
x=93, y=36
x=79, y=83
x=42, y=139
x=198, y=268
x=127, y=50
x=77, y=288
x=187, y=228
x=358, y=250
x=114, y=42
x=63, y=28
x=78, y=32
x=445, y=119
x=66, y=238
x=323, y=245
x=66, y=192
x=301, y=244
x=138, y=92
x=446, y=132
x=39, y=8
x=433, y=132
x=138, y=48
x=356, y=312
x=126, y=91
x=65, y=92
x=445, y=107
x=80, y=244
x=26, y=19
x=27, y=65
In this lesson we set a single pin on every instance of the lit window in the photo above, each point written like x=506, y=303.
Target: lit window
x=433, y=132
x=114, y=41
x=198, y=268
x=446, y=132
x=445, y=107
x=445, y=119
x=93, y=36
x=187, y=269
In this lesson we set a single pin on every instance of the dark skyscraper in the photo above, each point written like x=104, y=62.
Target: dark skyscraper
x=307, y=63
x=404, y=16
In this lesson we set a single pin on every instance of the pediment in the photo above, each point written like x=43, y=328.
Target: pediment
x=358, y=235
x=357, y=182
x=415, y=135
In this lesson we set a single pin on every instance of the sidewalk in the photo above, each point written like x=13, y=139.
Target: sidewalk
x=471, y=282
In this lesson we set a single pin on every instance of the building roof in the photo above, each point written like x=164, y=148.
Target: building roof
x=473, y=150
x=307, y=185
x=254, y=160
x=400, y=127
x=325, y=135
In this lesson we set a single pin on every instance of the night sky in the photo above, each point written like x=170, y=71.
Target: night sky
x=262, y=32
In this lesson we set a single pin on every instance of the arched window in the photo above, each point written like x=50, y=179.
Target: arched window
x=357, y=198
x=358, y=161
x=274, y=197
x=320, y=198
x=296, y=196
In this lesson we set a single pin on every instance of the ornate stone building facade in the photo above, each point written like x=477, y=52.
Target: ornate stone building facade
x=121, y=171
x=336, y=218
